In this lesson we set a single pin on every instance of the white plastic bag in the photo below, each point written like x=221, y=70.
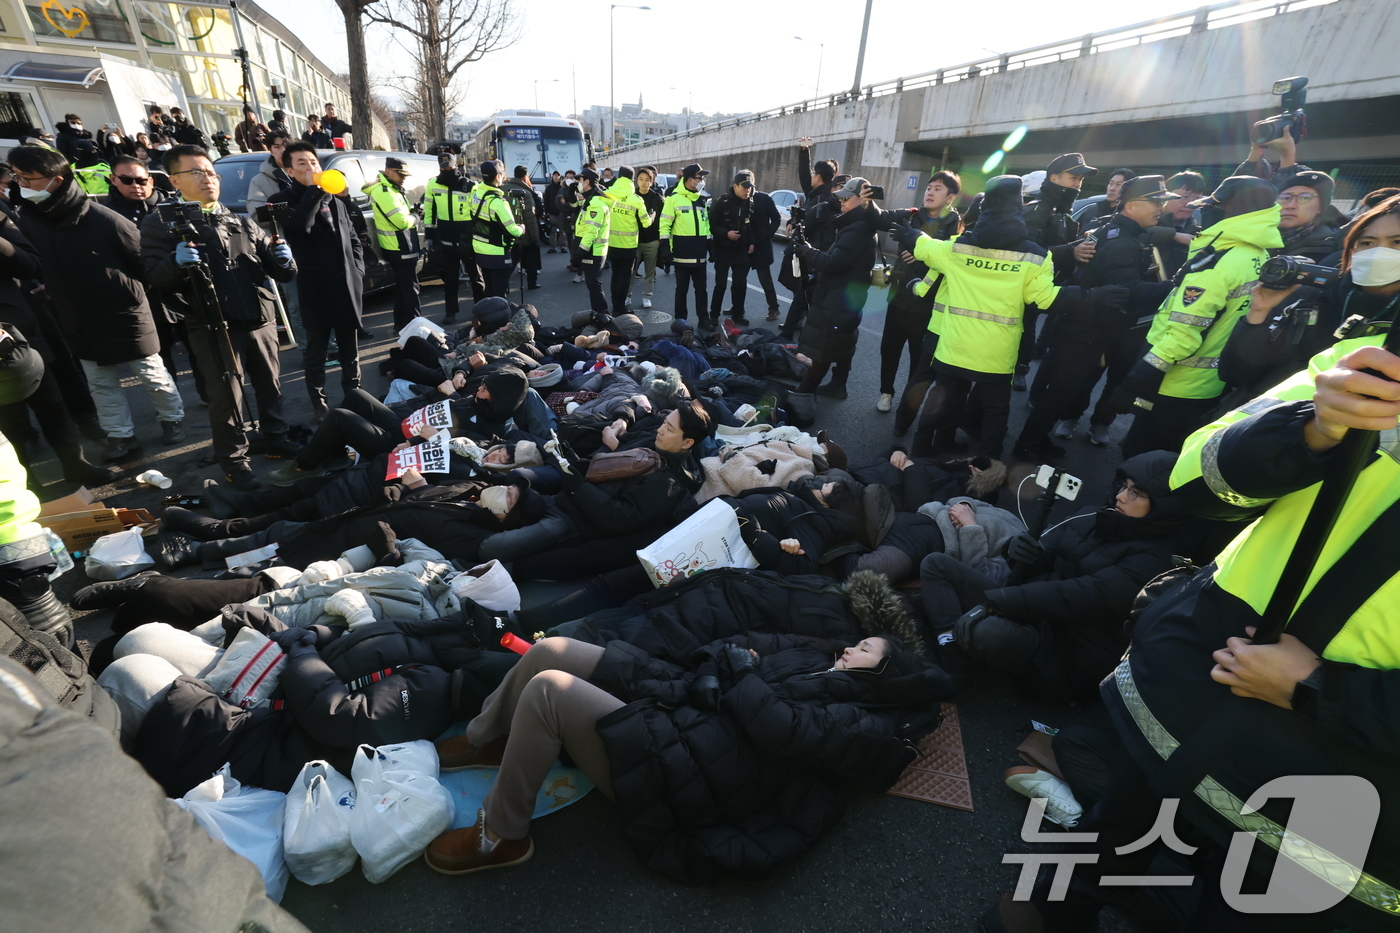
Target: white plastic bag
x=316, y=827
x=397, y=811
x=246, y=819
x=490, y=586
x=117, y=556
x=708, y=539
x=422, y=327
x=405, y=756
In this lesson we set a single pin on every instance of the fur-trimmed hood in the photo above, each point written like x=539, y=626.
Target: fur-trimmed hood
x=880, y=610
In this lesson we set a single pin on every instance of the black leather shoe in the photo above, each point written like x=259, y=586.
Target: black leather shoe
x=88, y=474
x=279, y=447
x=121, y=448
x=171, y=433
x=174, y=550
x=109, y=595
x=833, y=389
x=199, y=527
x=240, y=476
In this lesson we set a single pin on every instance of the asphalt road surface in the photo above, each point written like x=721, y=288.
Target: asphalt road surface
x=891, y=864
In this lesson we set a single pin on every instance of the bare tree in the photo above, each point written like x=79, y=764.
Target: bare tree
x=359, y=71
x=445, y=36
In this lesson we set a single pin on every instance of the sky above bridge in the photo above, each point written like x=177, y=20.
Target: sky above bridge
x=723, y=56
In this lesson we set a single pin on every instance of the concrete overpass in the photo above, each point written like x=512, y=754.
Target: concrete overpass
x=1172, y=93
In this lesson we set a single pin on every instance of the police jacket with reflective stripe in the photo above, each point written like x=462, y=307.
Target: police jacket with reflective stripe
x=685, y=225
x=447, y=208
x=1196, y=319
x=394, y=224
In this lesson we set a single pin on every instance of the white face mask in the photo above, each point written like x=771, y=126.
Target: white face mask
x=163, y=146
x=113, y=137
x=494, y=498
x=34, y=196
x=78, y=127
x=1379, y=265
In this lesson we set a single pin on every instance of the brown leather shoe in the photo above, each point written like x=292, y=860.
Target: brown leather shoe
x=457, y=753
x=458, y=851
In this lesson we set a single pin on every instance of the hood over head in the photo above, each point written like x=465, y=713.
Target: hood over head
x=1152, y=471
x=507, y=386
x=1000, y=224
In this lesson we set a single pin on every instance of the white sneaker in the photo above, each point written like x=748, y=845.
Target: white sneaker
x=578, y=279
x=1064, y=430
x=1060, y=806
x=646, y=302
x=1098, y=436
x=886, y=402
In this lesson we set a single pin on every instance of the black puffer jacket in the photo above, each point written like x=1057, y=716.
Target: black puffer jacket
x=837, y=296
x=190, y=733
x=767, y=516
x=738, y=791
x=658, y=500
x=1091, y=568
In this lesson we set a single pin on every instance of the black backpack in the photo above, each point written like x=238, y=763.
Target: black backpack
x=62, y=673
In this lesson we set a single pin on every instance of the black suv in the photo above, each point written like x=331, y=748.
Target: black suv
x=360, y=166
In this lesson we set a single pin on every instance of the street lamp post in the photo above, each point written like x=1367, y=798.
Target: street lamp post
x=821, y=54
x=860, y=57
x=537, y=88
x=612, y=69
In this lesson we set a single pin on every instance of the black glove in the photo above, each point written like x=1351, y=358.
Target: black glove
x=295, y=641
x=737, y=661
x=1023, y=549
x=1160, y=237
x=906, y=237
x=1108, y=298
x=663, y=255
x=1142, y=381
x=704, y=693
x=962, y=629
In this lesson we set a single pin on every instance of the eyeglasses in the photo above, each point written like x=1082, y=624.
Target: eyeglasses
x=133, y=179
x=1133, y=493
x=1304, y=198
x=201, y=172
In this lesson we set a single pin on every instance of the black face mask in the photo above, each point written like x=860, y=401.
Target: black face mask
x=1211, y=215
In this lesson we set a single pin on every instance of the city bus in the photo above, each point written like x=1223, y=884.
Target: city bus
x=540, y=140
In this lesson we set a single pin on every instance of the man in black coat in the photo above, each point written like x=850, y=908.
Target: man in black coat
x=241, y=258
x=731, y=247
x=135, y=196
x=817, y=182
x=92, y=270
x=185, y=132
x=766, y=221
x=69, y=132
x=331, y=265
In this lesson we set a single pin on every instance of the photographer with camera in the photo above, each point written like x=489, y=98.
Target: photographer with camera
x=185, y=132
x=250, y=135
x=818, y=183
x=494, y=230
x=1176, y=384
x=181, y=245
x=92, y=270
x=331, y=266
x=1297, y=307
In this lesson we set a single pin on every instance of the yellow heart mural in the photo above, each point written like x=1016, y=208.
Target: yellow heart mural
x=76, y=15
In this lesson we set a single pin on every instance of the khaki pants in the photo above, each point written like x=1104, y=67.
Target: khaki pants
x=545, y=703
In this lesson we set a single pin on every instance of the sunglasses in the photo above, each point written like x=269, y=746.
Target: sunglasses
x=133, y=179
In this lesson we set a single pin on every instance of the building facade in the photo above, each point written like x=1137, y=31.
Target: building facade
x=110, y=61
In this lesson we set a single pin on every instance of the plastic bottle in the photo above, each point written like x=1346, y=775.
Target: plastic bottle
x=60, y=554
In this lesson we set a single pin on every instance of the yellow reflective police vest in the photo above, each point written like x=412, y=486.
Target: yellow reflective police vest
x=982, y=301
x=685, y=225
x=446, y=210
x=494, y=228
x=394, y=225
x=18, y=506
x=629, y=214
x=96, y=180
x=1196, y=319
x=594, y=223
x=1251, y=565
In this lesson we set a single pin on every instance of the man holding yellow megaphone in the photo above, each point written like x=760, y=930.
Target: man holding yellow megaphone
x=331, y=267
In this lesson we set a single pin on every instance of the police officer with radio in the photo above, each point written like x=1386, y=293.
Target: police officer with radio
x=447, y=205
x=239, y=258
x=494, y=230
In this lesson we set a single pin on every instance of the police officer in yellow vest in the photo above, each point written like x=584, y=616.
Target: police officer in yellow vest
x=629, y=217
x=1204, y=715
x=685, y=238
x=396, y=230
x=447, y=207
x=990, y=274
x=90, y=170
x=25, y=558
x=593, y=227
x=494, y=230
x=1176, y=380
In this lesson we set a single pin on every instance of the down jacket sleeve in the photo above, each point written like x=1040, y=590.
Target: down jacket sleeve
x=642, y=503
x=403, y=707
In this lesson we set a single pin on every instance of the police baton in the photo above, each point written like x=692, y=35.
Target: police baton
x=1350, y=458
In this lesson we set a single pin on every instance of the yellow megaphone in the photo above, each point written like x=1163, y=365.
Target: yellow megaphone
x=330, y=181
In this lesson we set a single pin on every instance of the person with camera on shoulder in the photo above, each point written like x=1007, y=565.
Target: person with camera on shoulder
x=92, y=270
x=331, y=259
x=240, y=260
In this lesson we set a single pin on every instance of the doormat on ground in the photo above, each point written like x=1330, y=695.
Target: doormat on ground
x=939, y=774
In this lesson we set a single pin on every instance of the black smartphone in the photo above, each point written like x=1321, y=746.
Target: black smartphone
x=877, y=192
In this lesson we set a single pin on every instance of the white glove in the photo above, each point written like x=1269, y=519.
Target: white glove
x=350, y=605
x=322, y=570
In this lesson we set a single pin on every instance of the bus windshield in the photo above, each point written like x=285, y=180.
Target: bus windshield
x=541, y=149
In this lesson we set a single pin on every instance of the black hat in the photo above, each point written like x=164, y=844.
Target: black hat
x=490, y=168
x=1146, y=188
x=744, y=178
x=1002, y=194
x=693, y=170
x=1243, y=193
x=1072, y=162
x=590, y=175
x=85, y=146
x=1320, y=182
x=397, y=164
x=625, y=171
x=492, y=313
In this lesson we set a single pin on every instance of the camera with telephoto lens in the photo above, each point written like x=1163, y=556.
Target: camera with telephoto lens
x=221, y=141
x=1283, y=272
x=1292, y=120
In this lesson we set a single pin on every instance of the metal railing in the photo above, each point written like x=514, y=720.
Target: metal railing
x=1215, y=16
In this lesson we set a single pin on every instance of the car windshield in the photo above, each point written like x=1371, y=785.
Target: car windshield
x=235, y=175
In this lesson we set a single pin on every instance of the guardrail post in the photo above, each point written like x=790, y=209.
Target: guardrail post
x=1005, y=63
x=1086, y=48
x=1202, y=20
x=938, y=79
